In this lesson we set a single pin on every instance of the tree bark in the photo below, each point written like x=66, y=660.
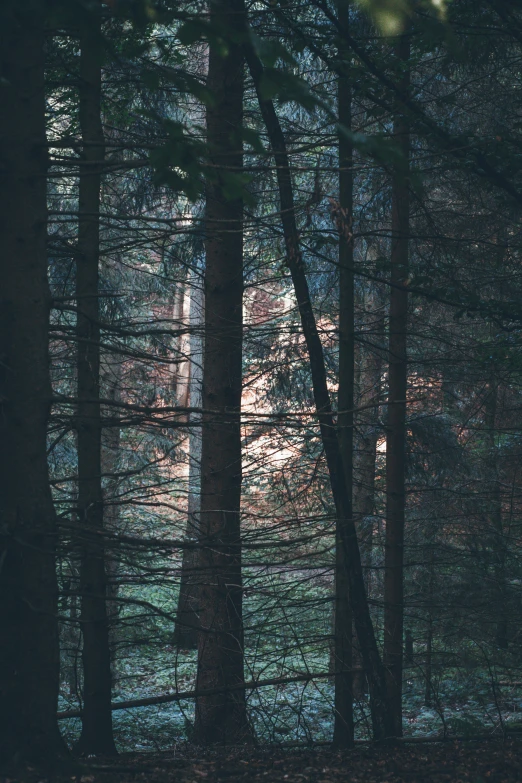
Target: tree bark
x=96, y=736
x=428, y=669
x=428, y=688
x=369, y=388
x=69, y=633
x=382, y=726
x=343, y=698
x=111, y=376
x=181, y=373
x=494, y=505
x=187, y=615
x=222, y=717
x=29, y=648
x=396, y=426
x=369, y=391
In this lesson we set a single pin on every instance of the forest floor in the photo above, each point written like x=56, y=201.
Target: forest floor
x=485, y=761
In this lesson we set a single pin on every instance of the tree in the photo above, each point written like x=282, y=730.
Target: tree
x=222, y=717
x=187, y=614
x=343, y=725
x=96, y=737
x=381, y=717
x=396, y=424
x=28, y=590
x=299, y=234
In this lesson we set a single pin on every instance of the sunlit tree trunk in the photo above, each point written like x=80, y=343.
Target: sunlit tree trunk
x=96, y=735
x=181, y=373
x=222, y=717
x=343, y=699
x=29, y=655
x=396, y=425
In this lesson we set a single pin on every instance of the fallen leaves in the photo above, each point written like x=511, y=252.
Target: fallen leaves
x=491, y=761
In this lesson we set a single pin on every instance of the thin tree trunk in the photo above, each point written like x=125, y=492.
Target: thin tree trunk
x=29, y=648
x=408, y=650
x=382, y=725
x=96, y=736
x=369, y=388
x=343, y=699
x=396, y=427
x=494, y=505
x=111, y=381
x=183, y=370
x=187, y=615
x=222, y=717
x=367, y=435
x=181, y=373
x=428, y=690
x=73, y=648
x=69, y=633
x=428, y=669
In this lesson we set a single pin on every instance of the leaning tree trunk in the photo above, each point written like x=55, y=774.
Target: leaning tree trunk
x=222, y=717
x=187, y=615
x=29, y=654
x=96, y=735
x=343, y=696
x=382, y=725
x=396, y=426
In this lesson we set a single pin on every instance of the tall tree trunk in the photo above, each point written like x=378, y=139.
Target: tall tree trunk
x=29, y=650
x=222, y=717
x=369, y=387
x=96, y=736
x=494, y=505
x=396, y=427
x=181, y=372
x=382, y=726
x=428, y=686
x=343, y=698
x=187, y=615
x=111, y=384
x=69, y=632
x=428, y=669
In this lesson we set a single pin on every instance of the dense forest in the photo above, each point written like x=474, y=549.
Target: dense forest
x=260, y=373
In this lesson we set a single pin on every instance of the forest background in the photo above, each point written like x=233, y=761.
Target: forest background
x=260, y=372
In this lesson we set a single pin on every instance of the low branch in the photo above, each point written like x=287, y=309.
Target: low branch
x=181, y=696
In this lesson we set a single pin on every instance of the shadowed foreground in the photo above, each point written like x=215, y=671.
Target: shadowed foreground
x=483, y=761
